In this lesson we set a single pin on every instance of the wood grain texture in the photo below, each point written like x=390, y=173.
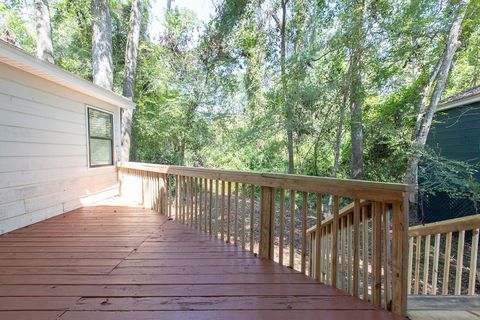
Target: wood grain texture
x=81, y=266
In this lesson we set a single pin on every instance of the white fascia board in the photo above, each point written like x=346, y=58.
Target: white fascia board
x=20, y=59
x=459, y=103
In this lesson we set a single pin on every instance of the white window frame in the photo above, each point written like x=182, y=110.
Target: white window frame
x=87, y=122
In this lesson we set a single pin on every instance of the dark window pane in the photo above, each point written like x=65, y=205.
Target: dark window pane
x=100, y=124
x=100, y=152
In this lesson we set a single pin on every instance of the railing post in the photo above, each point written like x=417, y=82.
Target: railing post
x=267, y=206
x=334, y=266
x=400, y=256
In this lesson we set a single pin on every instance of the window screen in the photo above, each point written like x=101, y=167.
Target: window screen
x=100, y=138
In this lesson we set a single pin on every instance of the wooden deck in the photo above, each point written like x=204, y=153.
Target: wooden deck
x=124, y=262
x=444, y=307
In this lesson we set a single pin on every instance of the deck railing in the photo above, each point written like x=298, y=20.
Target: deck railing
x=270, y=214
x=431, y=261
x=367, y=263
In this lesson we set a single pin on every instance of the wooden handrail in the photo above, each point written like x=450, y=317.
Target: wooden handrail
x=378, y=191
x=435, y=242
x=217, y=201
x=348, y=209
x=452, y=225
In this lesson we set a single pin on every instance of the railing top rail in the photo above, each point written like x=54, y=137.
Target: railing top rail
x=452, y=225
x=344, y=211
x=378, y=191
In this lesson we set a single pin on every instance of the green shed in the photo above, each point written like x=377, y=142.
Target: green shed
x=455, y=135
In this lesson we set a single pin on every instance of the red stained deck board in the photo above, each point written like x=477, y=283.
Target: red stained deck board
x=115, y=262
x=231, y=315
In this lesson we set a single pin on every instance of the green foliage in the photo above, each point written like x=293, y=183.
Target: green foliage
x=15, y=26
x=455, y=178
x=211, y=93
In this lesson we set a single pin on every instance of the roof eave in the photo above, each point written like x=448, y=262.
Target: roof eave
x=20, y=59
x=460, y=102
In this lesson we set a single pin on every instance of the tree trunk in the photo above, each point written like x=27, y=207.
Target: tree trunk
x=424, y=121
x=44, y=31
x=131, y=53
x=288, y=106
x=356, y=94
x=338, y=140
x=102, y=44
x=169, y=5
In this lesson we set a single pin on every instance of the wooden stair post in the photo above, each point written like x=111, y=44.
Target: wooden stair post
x=267, y=207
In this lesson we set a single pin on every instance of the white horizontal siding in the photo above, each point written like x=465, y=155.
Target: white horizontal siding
x=11, y=164
x=22, y=134
x=50, y=187
x=43, y=150
x=18, y=119
x=12, y=209
x=8, y=102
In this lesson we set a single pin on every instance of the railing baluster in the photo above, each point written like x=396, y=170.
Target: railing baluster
x=252, y=211
x=282, y=226
x=235, y=222
x=446, y=267
x=180, y=199
x=209, y=194
x=341, y=254
x=349, y=253
x=222, y=212
x=334, y=252
x=177, y=194
x=304, y=232
x=458, y=273
x=191, y=205
x=196, y=199
x=473, y=262
x=386, y=251
x=217, y=207
x=318, y=238
x=324, y=264
x=205, y=211
x=229, y=203
x=426, y=264
x=436, y=253
x=185, y=200
x=377, y=253
x=410, y=265
x=292, y=230
x=186, y=216
x=417, y=265
x=244, y=205
x=167, y=197
x=365, y=252
x=200, y=200
x=356, y=247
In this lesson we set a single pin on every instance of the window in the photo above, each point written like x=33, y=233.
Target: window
x=100, y=137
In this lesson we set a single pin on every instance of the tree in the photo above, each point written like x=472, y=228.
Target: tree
x=102, y=44
x=346, y=88
x=131, y=53
x=282, y=24
x=44, y=31
x=432, y=93
x=169, y=6
x=355, y=88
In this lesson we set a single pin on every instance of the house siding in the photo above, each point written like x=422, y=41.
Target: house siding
x=43, y=150
x=455, y=135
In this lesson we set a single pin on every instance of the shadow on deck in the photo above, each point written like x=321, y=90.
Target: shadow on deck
x=114, y=261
